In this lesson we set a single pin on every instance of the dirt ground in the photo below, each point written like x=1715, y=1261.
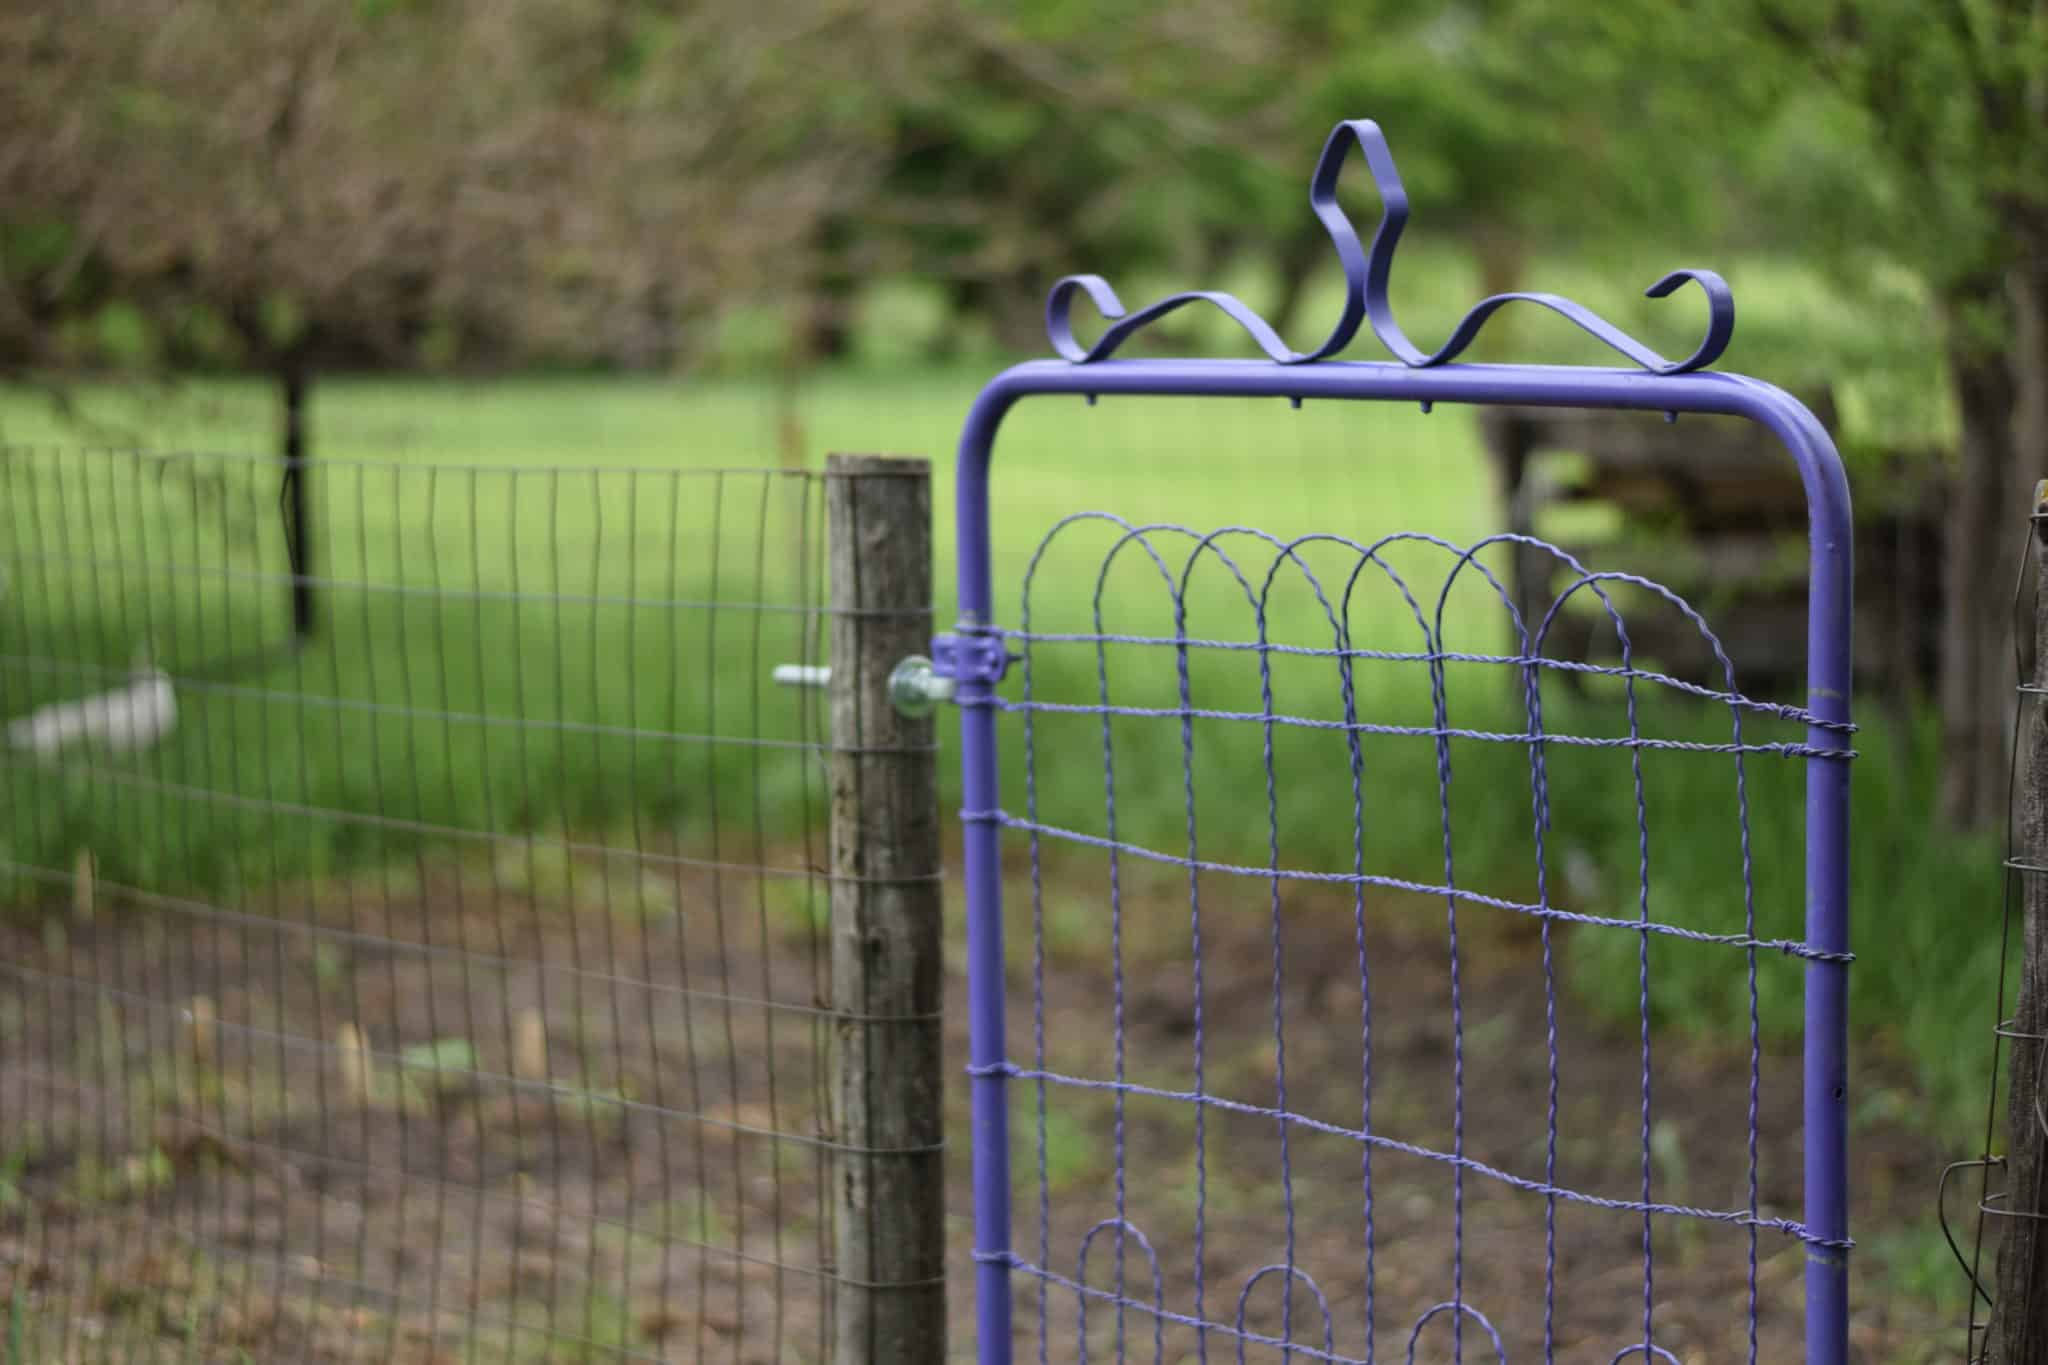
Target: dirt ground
x=434, y=1117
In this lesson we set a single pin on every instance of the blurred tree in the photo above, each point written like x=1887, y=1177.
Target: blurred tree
x=1467, y=147
x=1173, y=138
x=1953, y=101
x=306, y=185
x=1023, y=141
x=1864, y=132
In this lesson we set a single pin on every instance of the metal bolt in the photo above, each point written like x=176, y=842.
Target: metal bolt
x=916, y=688
x=802, y=675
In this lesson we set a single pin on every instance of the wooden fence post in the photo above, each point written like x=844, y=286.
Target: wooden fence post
x=886, y=971
x=2019, y=1320
x=297, y=538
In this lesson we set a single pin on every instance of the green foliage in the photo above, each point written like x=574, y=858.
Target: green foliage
x=440, y=1055
x=11, y=1167
x=1074, y=1151
x=1879, y=147
x=93, y=1182
x=1925, y=910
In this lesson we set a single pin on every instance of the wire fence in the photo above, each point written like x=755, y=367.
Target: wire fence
x=1336, y=1106
x=2007, y=1316
x=450, y=983
x=422, y=939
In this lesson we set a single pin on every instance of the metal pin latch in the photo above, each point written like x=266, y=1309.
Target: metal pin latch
x=918, y=684
x=916, y=687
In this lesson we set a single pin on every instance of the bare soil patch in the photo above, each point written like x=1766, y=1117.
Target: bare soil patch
x=434, y=1119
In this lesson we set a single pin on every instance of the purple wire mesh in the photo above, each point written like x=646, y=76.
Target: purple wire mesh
x=1151, y=1300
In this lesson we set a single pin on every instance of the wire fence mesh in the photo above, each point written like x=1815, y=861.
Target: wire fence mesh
x=2004, y=1229
x=449, y=984
x=1338, y=1105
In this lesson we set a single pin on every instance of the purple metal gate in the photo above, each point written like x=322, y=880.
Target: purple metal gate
x=980, y=651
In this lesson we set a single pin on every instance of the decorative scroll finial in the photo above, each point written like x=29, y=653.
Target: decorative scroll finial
x=1366, y=272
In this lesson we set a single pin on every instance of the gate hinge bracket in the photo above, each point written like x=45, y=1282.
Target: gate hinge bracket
x=971, y=658
x=917, y=685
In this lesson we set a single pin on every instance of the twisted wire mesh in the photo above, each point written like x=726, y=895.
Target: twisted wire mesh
x=1995, y=1206
x=448, y=985
x=1239, y=1154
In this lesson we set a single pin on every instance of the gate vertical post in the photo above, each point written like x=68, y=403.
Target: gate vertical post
x=981, y=798
x=886, y=961
x=1830, y=578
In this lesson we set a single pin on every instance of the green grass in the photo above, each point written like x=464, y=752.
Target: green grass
x=116, y=555
x=393, y=507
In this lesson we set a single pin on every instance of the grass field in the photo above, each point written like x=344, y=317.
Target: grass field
x=512, y=593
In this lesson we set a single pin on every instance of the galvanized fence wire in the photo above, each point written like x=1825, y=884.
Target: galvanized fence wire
x=1993, y=1205
x=1346, y=1259
x=449, y=983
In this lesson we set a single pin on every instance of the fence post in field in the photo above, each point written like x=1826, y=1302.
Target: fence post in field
x=298, y=544
x=886, y=971
x=2019, y=1323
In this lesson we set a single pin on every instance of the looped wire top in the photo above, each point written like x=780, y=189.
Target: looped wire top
x=1366, y=275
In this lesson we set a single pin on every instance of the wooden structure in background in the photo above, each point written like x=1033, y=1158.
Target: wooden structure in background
x=1713, y=508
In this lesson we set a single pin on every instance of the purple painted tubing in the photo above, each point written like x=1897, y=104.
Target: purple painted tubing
x=986, y=1048
x=1827, y=778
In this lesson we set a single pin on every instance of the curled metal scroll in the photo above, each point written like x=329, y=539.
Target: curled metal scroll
x=1366, y=273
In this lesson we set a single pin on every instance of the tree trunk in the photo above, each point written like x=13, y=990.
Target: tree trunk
x=828, y=298
x=1979, y=543
x=2030, y=381
x=2019, y=1316
x=1298, y=258
x=1502, y=255
x=825, y=321
x=295, y=381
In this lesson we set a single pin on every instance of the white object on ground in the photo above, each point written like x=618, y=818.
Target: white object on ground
x=802, y=675
x=126, y=718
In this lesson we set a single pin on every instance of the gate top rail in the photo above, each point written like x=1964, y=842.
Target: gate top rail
x=1808, y=443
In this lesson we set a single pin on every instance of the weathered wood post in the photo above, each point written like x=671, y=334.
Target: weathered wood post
x=2019, y=1315
x=886, y=973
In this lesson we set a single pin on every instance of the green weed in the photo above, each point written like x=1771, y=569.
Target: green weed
x=1074, y=1149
